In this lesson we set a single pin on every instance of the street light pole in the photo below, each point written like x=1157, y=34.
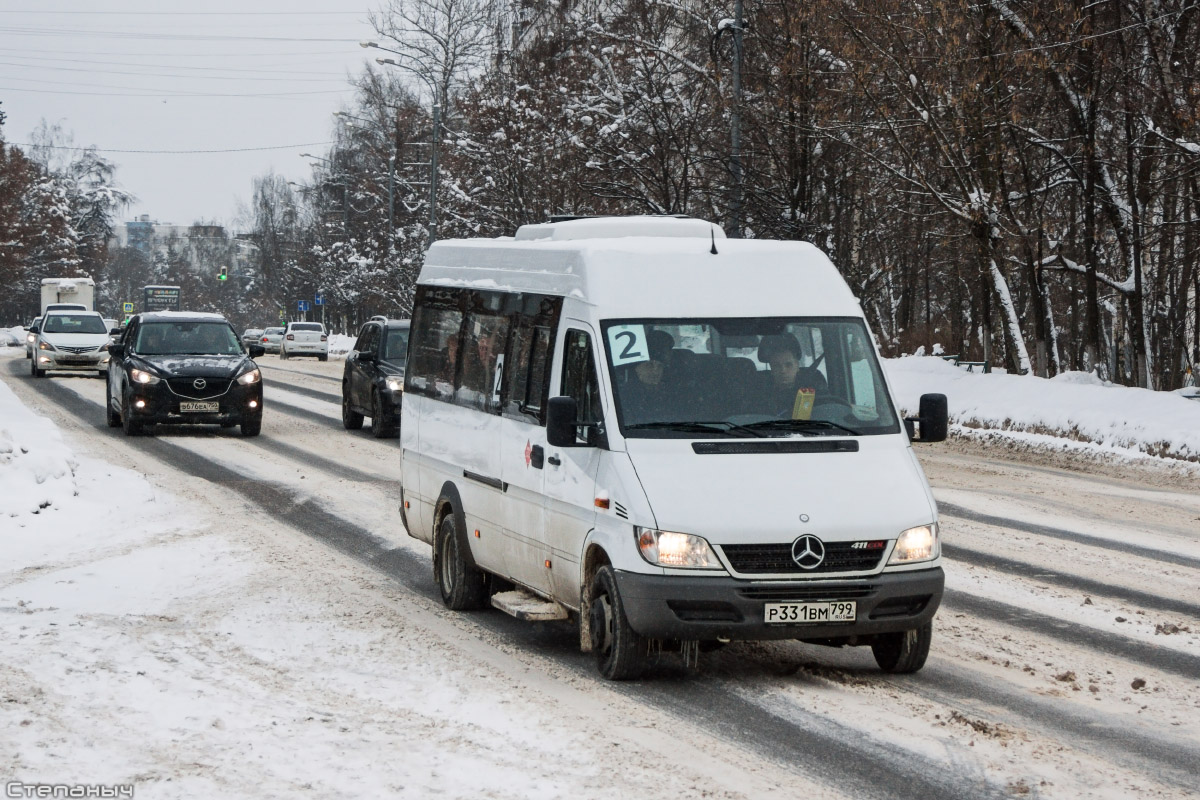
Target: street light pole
x=435, y=138
x=735, y=124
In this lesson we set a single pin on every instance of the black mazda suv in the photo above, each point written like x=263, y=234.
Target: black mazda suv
x=182, y=368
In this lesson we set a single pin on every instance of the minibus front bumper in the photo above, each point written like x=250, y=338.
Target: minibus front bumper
x=706, y=608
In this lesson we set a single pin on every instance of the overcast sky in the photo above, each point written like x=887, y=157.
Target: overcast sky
x=259, y=79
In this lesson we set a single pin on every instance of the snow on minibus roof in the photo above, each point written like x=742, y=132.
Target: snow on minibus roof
x=615, y=227
x=630, y=276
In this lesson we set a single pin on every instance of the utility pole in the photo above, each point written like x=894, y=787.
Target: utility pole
x=433, y=165
x=735, y=133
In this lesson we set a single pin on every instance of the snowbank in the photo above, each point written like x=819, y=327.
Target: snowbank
x=1075, y=406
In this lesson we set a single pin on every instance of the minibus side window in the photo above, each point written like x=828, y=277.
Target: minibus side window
x=528, y=370
x=435, y=346
x=484, y=342
x=579, y=377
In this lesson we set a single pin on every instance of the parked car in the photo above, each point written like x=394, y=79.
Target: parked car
x=183, y=369
x=271, y=339
x=373, y=378
x=70, y=340
x=252, y=336
x=31, y=336
x=305, y=339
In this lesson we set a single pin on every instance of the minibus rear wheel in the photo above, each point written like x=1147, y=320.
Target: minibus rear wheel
x=463, y=587
x=620, y=650
x=905, y=651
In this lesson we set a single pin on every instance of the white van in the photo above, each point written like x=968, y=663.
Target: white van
x=674, y=438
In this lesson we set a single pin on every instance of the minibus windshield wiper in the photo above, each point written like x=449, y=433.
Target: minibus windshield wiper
x=799, y=425
x=720, y=426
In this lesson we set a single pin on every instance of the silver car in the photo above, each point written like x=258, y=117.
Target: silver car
x=271, y=339
x=71, y=340
x=252, y=336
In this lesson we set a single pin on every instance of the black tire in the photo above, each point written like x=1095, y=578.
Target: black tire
x=252, y=427
x=322, y=358
x=33, y=369
x=903, y=652
x=463, y=587
x=351, y=419
x=111, y=417
x=620, y=651
x=102, y=374
x=381, y=427
x=282, y=355
x=133, y=427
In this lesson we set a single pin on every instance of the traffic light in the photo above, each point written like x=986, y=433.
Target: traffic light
x=224, y=274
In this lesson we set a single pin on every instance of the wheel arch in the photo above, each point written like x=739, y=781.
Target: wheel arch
x=450, y=502
x=594, y=557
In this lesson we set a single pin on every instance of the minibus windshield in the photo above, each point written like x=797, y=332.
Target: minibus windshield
x=746, y=377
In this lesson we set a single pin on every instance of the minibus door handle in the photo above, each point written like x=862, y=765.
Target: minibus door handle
x=536, y=456
x=554, y=461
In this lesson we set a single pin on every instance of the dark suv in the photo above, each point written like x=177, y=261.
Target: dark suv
x=183, y=369
x=373, y=379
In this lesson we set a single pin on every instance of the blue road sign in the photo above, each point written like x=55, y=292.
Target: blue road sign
x=127, y=308
x=302, y=305
x=318, y=300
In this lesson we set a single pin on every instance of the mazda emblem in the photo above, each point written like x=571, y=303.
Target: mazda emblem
x=199, y=383
x=808, y=552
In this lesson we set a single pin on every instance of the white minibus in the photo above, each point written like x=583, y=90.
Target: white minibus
x=672, y=438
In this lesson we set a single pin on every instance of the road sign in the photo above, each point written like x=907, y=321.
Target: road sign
x=127, y=308
x=318, y=300
x=161, y=298
x=302, y=305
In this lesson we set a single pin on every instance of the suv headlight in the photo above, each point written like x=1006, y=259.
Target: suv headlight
x=248, y=378
x=916, y=544
x=395, y=384
x=45, y=346
x=142, y=377
x=678, y=550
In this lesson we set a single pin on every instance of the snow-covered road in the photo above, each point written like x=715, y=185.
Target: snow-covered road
x=264, y=627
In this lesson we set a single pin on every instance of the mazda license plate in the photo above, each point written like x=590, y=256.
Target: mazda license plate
x=199, y=407
x=809, y=613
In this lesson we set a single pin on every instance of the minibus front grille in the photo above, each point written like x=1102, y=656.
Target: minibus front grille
x=776, y=559
x=786, y=594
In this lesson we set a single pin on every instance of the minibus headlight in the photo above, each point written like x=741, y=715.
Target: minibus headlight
x=247, y=378
x=678, y=550
x=916, y=544
x=142, y=377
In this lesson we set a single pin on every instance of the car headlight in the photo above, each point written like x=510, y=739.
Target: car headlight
x=142, y=377
x=30, y=337
x=247, y=378
x=916, y=544
x=45, y=346
x=671, y=549
x=395, y=384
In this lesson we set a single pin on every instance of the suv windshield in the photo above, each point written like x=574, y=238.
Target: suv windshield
x=187, y=338
x=69, y=323
x=744, y=377
x=395, y=347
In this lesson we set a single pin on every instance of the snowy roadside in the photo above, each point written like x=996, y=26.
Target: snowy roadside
x=1072, y=413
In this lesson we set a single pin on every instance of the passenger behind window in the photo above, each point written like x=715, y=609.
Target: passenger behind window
x=787, y=377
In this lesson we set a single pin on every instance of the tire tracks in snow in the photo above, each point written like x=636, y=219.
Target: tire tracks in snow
x=801, y=740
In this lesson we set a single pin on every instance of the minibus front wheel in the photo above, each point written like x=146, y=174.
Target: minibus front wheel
x=463, y=587
x=905, y=651
x=620, y=650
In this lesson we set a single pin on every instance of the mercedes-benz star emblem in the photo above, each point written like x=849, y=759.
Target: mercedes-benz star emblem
x=199, y=383
x=808, y=552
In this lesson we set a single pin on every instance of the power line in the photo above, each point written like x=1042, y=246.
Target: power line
x=172, y=152
x=158, y=74
x=153, y=93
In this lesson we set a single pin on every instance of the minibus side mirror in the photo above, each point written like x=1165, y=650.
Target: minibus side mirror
x=560, y=422
x=933, y=419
